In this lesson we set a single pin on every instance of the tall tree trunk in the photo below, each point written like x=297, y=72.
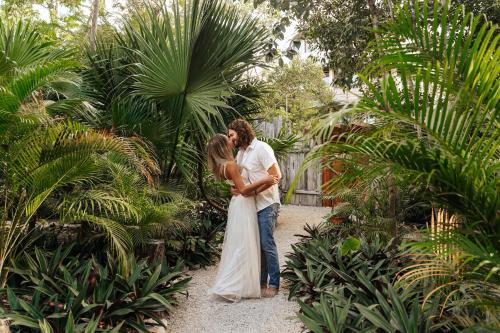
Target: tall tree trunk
x=53, y=11
x=391, y=180
x=373, y=13
x=390, y=6
x=93, y=26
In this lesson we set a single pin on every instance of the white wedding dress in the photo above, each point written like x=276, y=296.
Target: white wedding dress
x=239, y=268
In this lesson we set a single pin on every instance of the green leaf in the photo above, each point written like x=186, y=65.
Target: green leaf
x=70, y=323
x=372, y=315
x=351, y=244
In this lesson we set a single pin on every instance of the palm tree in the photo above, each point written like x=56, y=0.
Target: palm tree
x=175, y=76
x=42, y=155
x=432, y=99
x=190, y=59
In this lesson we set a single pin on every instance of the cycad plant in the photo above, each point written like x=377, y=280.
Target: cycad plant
x=42, y=155
x=432, y=106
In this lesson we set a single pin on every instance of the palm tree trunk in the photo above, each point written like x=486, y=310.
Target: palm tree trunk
x=3, y=278
x=93, y=26
x=171, y=163
x=392, y=187
x=53, y=9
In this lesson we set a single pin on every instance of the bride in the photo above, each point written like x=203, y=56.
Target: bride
x=238, y=274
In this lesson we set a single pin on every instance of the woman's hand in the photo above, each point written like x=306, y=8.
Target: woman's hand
x=271, y=180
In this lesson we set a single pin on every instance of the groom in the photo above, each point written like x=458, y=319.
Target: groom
x=258, y=158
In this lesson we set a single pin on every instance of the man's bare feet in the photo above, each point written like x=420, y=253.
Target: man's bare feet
x=263, y=289
x=271, y=292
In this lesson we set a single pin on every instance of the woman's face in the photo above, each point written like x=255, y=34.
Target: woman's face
x=230, y=143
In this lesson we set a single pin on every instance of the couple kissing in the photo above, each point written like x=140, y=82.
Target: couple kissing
x=249, y=265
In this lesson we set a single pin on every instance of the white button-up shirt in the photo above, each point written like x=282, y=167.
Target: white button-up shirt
x=257, y=158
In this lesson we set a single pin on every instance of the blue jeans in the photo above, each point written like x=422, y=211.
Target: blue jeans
x=269, y=262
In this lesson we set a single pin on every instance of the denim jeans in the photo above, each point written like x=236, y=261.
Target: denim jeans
x=270, y=266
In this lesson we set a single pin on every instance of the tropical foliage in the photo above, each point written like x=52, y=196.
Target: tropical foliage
x=345, y=284
x=439, y=103
x=108, y=140
x=325, y=256
x=430, y=120
x=61, y=293
x=198, y=244
x=44, y=154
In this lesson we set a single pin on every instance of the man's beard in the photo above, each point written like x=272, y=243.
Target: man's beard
x=236, y=144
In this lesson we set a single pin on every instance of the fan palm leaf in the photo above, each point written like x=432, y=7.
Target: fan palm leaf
x=190, y=59
x=22, y=47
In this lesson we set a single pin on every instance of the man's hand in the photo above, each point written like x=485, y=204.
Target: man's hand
x=274, y=170
x=234, y=191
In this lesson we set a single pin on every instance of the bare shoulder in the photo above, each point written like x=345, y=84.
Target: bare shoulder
x=231, y=166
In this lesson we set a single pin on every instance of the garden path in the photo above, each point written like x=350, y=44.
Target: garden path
x=200, y=313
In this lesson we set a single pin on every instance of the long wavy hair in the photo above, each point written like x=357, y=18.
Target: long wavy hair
x=244, y=131
x=218, y=154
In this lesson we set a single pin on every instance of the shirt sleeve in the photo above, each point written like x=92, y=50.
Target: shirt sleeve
x=266, y=155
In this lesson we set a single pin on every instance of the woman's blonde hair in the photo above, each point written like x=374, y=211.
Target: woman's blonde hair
x=218, y=154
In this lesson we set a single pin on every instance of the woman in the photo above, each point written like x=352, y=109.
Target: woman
x=238, y=275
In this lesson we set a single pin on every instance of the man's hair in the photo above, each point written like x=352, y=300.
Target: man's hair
x=244, y=131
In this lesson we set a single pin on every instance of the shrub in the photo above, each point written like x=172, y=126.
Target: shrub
x=322, y=260
x=390, y=309
x=55, y=292
x=198, y=246
x=344, y=284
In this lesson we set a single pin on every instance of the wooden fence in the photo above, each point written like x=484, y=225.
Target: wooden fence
x=308, y=189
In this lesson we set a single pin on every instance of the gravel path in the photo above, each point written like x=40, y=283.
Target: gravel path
x=200, y=313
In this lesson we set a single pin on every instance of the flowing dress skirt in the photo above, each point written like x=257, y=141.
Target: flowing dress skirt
x=238, y=273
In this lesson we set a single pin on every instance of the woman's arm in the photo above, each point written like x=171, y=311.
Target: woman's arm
x=274, y=171
x=262, y=188
x=233, y=174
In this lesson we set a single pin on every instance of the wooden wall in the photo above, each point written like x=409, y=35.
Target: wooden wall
x=308, y=190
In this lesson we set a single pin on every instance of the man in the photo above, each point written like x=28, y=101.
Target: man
x=258, y=158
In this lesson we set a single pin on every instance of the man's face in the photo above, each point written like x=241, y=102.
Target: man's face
x=230, y=144
x=233, y=139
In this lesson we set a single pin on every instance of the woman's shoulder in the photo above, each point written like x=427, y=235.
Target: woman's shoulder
x=229, y=168
x=231, y=164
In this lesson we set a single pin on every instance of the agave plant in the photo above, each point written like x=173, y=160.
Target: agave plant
x=42, y=155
